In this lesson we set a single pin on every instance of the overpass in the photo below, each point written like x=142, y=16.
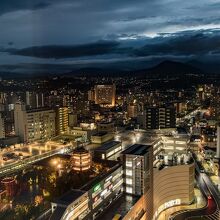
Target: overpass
x=21, y=164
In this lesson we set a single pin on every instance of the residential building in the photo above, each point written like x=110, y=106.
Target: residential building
x=34, y=124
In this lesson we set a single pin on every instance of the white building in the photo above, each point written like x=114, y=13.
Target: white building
x=35, y=124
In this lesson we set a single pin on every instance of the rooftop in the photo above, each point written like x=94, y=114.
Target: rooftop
x=121, y=206
x=39, y=109
x=107, y=145
x=70, y=196
x=58, y=213
x=105, y=122
x=80, y=150
x=172, y=159
x=137, y=149
x=101, y=133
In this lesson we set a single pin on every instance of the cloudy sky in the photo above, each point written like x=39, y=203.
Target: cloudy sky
x=93, y=32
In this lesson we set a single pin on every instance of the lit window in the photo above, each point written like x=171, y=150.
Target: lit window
x=128, y=190
x=128, y=181
x=128, y=163
x=129, y=172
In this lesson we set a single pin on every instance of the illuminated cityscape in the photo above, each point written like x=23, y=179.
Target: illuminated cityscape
x=109, y=110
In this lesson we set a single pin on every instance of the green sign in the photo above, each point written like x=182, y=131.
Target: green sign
x=97, y=187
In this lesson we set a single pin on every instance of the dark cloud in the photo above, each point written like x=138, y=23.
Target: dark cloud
x=186, y=43
x=66, y=51
x=16, y=5
x=45, y=30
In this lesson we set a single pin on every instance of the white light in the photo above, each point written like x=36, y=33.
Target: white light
x=128, y=189
x=128, y=181
x=129, y=172
x=104, y=192
x=128, y=163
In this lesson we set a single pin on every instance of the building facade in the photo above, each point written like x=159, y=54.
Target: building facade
x=62, y=120
x=159, y=117
x=138, y=173
x=105, y=95
x=92, y=199
x=35, y=124
x=173, y=186
x=34, y=100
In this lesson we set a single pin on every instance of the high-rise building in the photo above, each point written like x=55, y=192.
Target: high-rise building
x=132, y=110
x=61, y=120
x=3, y=97
x=105, y=95
x=159, y=117
x=34, y=100
x=91, y=95
x=35, y=124
x=72, y=119
x=138, y=173
x=2, y=127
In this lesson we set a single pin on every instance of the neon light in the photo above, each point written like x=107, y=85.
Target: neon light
x=97, y=187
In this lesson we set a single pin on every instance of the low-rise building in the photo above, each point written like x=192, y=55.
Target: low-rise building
x=101, y=137
x=107, y=150
x=92, y=199
x=106, y=127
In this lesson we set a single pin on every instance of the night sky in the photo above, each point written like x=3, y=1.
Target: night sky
x=108, y=32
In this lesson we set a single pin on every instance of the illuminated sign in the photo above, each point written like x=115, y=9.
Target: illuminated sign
x=109, y=178
x=97, y=187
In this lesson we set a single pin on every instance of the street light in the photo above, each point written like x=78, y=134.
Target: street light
x=55, y=162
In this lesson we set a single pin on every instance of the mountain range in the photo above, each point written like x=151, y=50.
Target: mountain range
x=165, y=68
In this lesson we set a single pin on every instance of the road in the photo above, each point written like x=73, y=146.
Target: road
x=211, y=211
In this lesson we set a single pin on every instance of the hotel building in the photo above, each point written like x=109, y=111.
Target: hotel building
x=105, y=95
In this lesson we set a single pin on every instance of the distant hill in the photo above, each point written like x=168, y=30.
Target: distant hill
x=172, y=68
x=165, y=68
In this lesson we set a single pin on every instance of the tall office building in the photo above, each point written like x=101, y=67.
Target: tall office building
x=61, y=120
x=138, y=173
x=35, y=124
x=91, y=95
x=34, y=100
x=3, y=97
x=105, y=95
x=72, y=120
x=2, y=127
x=132, y=110
x=159, y=117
